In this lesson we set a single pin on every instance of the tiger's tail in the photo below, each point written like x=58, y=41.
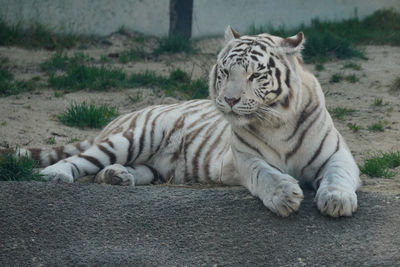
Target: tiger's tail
x=47, y=156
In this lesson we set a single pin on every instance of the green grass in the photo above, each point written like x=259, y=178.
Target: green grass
x=177, y=84
x=72, y=73
x=62, y=62
x=34, y=36
x=379, y=165
x=173, y=44
x=319, y=67
x=8, y=86
x=51, y=140
x=87, y=115
x=94, y=78
x=354, y=127
x=395, y=87
x=136, y=98
x=133, y=54
x=352, y=78
x=352, y=65
x=17, y=169
x=378, y=102
x=339, y=112
x=337, y=40
x=376, y=127
x=338, y=77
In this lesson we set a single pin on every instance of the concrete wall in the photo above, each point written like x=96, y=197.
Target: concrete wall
x=99, y=17
x=210, y=17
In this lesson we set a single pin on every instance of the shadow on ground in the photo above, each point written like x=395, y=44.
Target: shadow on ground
x=79, y=224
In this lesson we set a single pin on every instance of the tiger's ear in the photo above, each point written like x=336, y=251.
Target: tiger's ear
x=294, y=44
x=230, y=34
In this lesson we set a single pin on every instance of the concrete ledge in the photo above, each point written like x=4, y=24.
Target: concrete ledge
x=94, y=225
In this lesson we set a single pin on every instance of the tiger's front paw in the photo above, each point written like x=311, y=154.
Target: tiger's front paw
x=56, y=174
x=285, y=198
x=115, y=174
x=335, y=202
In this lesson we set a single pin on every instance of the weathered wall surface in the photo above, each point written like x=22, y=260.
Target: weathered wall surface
x=98, y=17
x=210, y=17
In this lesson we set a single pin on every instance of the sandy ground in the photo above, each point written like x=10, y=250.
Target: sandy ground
x=29, y=119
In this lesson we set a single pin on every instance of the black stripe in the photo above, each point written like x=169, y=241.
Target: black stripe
x=253, y=132
x=317, y=152
x=247, y=144
x=157, y=177
x=326, y=161
x=110, y=154
x=196, y=158
x=256, y=53
x=189, y=139
x=270, y=39
x=254, y=57
x=143, y=134
x=208, y=153
x=300, y=141
x=271, y=63
x=92, y=160
x=110, y=143
x=287, y=80
x=303, y=117
x=129, y=136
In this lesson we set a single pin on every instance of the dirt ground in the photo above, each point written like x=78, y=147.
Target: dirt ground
x=29, y=119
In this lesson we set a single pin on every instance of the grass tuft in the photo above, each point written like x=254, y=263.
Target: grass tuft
x=339, y=112
x=88, y=77
x=87, y=115
x=62, y=62
x=338, y=77
x=133, y=54
x=354, y=127
x=395, y=85
x=352, y=65
x=376, y=127
x=174, y=44
x=319, y=67
x=380, y=165
x=10, y=87
x=17, y=169
x=378, y=101
x=34, y=36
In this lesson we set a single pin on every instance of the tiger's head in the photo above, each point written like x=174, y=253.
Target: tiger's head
x=255, y=76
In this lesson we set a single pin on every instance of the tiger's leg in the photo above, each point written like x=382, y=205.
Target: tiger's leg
x=336, y=185
x=279, y=192
x=91, y=161
x=117, y=174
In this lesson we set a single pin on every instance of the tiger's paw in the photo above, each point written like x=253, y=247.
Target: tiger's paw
x=335, y=202
x=285, y=199
x=55, y=174
x=115, y=174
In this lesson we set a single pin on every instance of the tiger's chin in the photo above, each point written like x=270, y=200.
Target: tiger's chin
x=238, y=119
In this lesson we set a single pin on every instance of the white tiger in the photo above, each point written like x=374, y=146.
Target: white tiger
x=266, y=128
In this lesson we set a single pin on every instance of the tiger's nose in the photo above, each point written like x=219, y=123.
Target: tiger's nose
x=232, y=101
